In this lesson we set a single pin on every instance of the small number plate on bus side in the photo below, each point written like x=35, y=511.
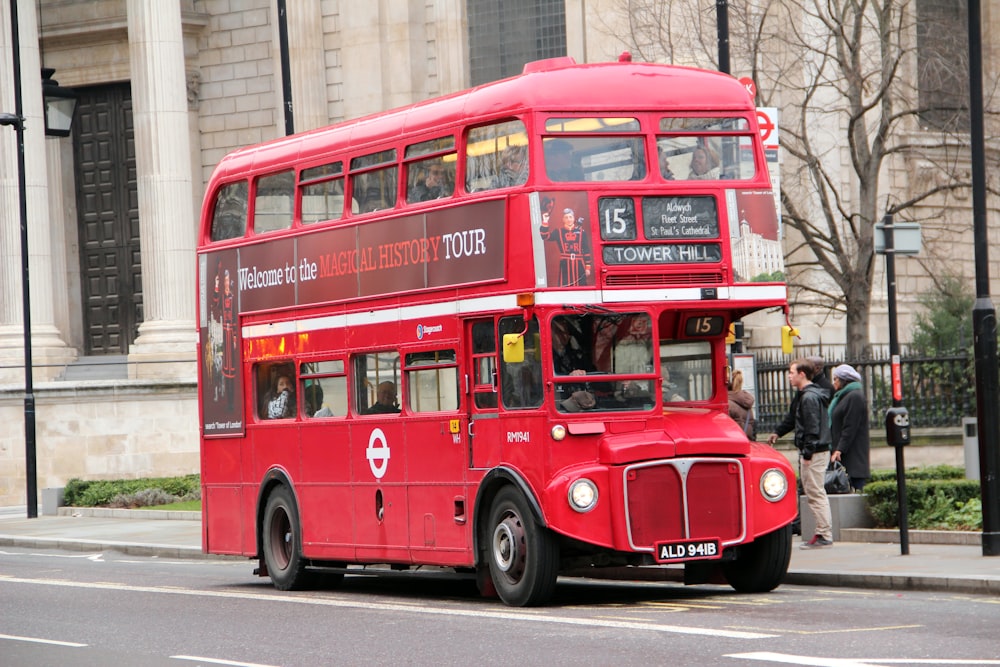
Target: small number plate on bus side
x=668, y=552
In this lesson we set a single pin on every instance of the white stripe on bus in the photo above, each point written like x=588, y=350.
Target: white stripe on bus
x=503, y=302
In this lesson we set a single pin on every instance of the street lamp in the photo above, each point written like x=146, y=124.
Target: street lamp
x=60, y=116
x=60, y=103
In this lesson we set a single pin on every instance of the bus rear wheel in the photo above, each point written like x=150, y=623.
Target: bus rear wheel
x=281, y=542
x=523, y=556
x=762, y=564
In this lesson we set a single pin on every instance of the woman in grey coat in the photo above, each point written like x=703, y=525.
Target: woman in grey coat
x=849, y=425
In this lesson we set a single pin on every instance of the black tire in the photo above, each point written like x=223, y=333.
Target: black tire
x=523, y=556
x=761, y=565
x=281, y=542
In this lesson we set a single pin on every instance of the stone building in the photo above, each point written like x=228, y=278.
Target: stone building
x=165, y=89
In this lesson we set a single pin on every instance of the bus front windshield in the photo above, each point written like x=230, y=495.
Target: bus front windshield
x=608, y=361
x=603, y=362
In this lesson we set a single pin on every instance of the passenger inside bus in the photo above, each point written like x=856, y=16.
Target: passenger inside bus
x=513, y=167
x=280, y=400
x=436, y=182
x=386, y=401
x=313, y=397
x=704, y=163
x=568, y=354
x=560, y=162
x=665, y=164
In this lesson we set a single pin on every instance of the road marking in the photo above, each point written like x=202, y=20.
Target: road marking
x=36, y=640
x=797, y=631
x=384, y=606
x=815, y=661
x=217, y=661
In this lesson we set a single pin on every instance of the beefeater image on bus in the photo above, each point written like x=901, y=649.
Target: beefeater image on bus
x=573, y=243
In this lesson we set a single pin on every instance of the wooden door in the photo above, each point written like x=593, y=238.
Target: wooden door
x=108, y=219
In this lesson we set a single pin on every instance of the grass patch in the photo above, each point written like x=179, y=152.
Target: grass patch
x=185, y=506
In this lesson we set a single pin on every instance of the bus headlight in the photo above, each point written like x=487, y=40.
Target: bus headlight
x=582, y=495
x=558, y=432
x=773, y=485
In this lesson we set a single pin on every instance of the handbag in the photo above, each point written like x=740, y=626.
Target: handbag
x=836, y=480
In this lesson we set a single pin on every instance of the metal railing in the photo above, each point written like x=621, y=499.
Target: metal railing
x=937, y=391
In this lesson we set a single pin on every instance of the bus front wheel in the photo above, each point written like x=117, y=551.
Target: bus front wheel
x=281, y=542
x=762, y=564
x=523, y=556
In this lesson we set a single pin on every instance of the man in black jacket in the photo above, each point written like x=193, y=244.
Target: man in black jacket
x=812, y=439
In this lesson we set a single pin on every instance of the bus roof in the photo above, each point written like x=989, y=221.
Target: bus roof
x=554, y=84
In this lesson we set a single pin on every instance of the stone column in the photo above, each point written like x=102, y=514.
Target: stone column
x=306, y=60
x=166, y=219
x=48, y=349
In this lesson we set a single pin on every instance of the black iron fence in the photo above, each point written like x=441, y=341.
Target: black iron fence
x=937, y=391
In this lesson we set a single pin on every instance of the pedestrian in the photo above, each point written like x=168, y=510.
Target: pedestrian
x=812, y=439
x=849, y=426
x=741, y=405
x=820, y=378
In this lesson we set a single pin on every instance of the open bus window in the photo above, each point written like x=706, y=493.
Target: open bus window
x=272, y=202
x=521, y=382
x=432, y=381
x=496, y=156
x=686, y=367
x=695, y=153
x=275, y=383
x=322, y=192
x=376, y=383
x=606, y=159
x=603, y=362
x=323, y=388
x=229, y=219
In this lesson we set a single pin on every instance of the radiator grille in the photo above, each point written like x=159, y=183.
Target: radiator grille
x=659, y=279
x=684, y=499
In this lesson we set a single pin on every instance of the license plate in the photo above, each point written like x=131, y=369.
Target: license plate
x=667, y=552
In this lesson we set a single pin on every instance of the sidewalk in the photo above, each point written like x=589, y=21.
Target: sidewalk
x=954, y=568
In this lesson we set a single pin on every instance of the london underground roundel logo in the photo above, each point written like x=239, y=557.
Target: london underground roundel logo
x=377, y=453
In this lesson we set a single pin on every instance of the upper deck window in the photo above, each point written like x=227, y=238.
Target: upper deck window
x=229, y=219
x=607, y=158
x=273, y=201
x=432, y=176
x=322, y=191
x=374, y=180
x=496, y=156
x=705, y=149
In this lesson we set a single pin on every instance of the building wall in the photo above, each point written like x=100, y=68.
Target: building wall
x=99, y=430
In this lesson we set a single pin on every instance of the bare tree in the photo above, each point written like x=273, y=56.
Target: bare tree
x=866, y=126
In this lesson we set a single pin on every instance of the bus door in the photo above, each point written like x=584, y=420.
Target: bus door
x=483, y=428
x=436, y=455
x=378, y=458
x=506, y=393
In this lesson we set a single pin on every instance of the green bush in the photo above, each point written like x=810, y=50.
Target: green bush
x=932, y=504
x=927, y=472
x=107, y=493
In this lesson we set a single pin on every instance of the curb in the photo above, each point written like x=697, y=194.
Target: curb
x=891, y=536
x=895, y=582
x=130, y=549
x=109, y=513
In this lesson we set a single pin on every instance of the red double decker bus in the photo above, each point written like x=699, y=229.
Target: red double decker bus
x=487, y=332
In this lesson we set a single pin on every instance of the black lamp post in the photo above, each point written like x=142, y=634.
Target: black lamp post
x=60, y=117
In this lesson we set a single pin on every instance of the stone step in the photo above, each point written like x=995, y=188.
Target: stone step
x=106, y=367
